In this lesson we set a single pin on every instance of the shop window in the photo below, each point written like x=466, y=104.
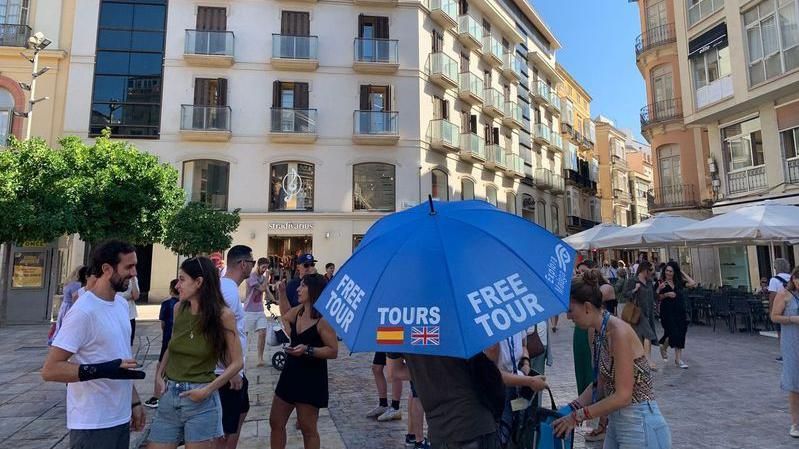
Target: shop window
x=374, y=187
x=439, y=185
x=743, y=145
x=206, y=181
x=291, y=187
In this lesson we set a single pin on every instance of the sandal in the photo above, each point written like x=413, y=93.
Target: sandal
x=597, y=434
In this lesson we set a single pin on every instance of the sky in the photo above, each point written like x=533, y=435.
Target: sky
x=597, y=40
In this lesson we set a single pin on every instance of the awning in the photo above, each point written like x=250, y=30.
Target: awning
x=712, y=38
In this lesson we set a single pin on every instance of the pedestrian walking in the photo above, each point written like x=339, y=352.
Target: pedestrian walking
x=621, y=284
x=204, y=333
x=785, y=312
x=254, y=312
x=235, y=396
x=74, y=282
x=622, y=377
x=642, y=292
x=303, y=383
x=673, y=311
x=776, y=285
x=306, y=264
x=398, y=370
x=330, y=271
x=91, y=354
x=131, y=295
x=383, y=411
x=166, y=316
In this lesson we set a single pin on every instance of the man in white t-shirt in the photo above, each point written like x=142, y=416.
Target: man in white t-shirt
x=777, y=284
x=91, y=353
x=234, y=396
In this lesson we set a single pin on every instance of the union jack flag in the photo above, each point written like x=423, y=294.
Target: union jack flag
x=425, y=335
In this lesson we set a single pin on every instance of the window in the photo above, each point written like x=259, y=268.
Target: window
x=669, y=166
x=662, y=84
x=772, y=36
x=510, y=202
x=206, y=181
x=743, y=145
x=6, y=115
x=440, y=108
x=128, y=69
x=14, y=12
x=570, y=204
x=439, y=185
x=698, y=9
x=291, y=187
x=373, y=187
x=555, y=219
x=491, y=195
x=656, y=14
x=541, y=212
x=467, y=189
x=710, y=66
x=790, y=142
x=528, y=207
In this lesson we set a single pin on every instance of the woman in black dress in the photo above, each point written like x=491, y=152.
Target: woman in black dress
x=303, y=381
x=673, y=315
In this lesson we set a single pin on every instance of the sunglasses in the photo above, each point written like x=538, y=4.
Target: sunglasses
x=248, y=261
x=308, y=265
x=197, y=259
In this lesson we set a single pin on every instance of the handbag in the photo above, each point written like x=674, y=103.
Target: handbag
x=534, y=345
x=532, y=428
x=631, y=313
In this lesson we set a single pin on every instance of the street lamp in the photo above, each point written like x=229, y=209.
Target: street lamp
x=37, y=42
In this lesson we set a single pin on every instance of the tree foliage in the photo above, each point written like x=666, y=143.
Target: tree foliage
x=200, y=229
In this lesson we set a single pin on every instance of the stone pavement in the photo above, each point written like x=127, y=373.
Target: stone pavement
x=728, y=398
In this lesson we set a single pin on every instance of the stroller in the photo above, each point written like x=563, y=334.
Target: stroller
x=276, y=336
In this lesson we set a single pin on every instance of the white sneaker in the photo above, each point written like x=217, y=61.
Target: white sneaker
x=377, y=411
x=390, y=415
x=682, y=365
x=794, y=432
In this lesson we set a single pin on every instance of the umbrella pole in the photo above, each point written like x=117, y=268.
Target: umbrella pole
x=771, y=250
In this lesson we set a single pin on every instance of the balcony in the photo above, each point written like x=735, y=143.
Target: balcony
x=293, y=125
x=514, y=165
x=206, y=123
x=513, y=115
x=470, y=88
x=541, y=92
x=444, y=136
x=714, y=92
x=618, y=162
x=512, y=66
x=661, y=112
x=376, y=55
x=375, y=127
x=14, y=35
x=655, y=37
x=747, y=180
x=676, y=196
x=543, y=178
x=621, y=196
x=442, y=70
x=297, y=53
x=793, y=170
x=558, y=185
x=554, y=103
x=542, y=134
x=209, y=48
x=495, y=157
x=557, y=141
x=492, y=51
x=472, y=148
x=444, y=12
x=494, y=102
x=470, y=32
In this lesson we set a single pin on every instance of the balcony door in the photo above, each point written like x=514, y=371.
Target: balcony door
x=663, y=92
x=373, y=43
x=296, y=24
x=291, y=100
x=670, y=174
x=376, y=100
x=210, y=101
x=210, y=21
x=656, y=15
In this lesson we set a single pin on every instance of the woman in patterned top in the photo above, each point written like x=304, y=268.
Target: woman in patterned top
x=622, y=377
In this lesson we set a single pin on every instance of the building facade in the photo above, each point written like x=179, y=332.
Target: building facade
x=318, y=118
x=613, y=187
x=640, y=174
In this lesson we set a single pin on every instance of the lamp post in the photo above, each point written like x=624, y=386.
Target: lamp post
x=37, y=42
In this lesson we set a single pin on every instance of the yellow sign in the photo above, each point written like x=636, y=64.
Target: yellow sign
x=28, y=270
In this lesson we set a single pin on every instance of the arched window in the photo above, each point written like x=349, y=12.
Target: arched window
x=206, y=181
x=439, y=185
x=528, y=207
x=491, y=195
x=467, y=189
x=6, y=115
x=374, y=187
x=541, y=214
x=291, y=186
x=510, y=202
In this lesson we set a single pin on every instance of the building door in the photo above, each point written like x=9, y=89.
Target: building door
x=32, y=282
x=663, y=92
x=296, y=24
x=210, y=99
x=376, y=100
x=671, y=189
x=291, y=99
x=209, y=22
x=656, y=14
x=373, y=42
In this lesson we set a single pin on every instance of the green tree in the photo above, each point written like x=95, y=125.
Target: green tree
x=200, y=229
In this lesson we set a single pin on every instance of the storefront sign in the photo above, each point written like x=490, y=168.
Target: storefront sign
x=28, y=271
x=290, y=226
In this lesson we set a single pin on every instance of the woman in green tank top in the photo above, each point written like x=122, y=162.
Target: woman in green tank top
x=204, y=333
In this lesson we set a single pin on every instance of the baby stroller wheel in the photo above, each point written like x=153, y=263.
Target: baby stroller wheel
x=279, y=360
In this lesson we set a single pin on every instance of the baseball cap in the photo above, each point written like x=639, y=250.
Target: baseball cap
x=306, y=258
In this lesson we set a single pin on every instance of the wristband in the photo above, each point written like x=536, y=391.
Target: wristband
x=107, y=370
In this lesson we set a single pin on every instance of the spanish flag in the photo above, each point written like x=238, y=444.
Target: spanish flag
x=390, y=335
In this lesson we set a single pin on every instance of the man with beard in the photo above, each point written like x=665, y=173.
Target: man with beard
x=91, y=353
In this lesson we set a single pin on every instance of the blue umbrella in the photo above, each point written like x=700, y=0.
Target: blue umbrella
x=447, y=279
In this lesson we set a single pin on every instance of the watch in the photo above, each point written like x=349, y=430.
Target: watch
x=309, y=351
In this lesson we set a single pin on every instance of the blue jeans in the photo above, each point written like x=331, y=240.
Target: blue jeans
x=638, y=426
x=180, y=419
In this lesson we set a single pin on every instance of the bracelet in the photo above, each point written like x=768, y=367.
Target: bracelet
x=309, y=351
x=135, y=404
x=575, y=405
x=586, y=413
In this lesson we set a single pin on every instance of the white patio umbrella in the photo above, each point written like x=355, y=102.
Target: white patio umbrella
x=584, y=241
x=768, y=221
x=655, y=232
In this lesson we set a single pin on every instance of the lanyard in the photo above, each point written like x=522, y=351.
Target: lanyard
x=599, y=338
x=512, y=348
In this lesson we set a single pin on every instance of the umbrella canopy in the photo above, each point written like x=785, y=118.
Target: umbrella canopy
x=763, y=222
x=450, y=282
x=584, y=241
x=653, y=232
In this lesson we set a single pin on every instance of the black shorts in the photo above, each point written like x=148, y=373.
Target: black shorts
x=380, y=359
x=234, y=403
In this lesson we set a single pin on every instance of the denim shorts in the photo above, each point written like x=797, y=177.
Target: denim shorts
x=180, y=419
x=638, y=426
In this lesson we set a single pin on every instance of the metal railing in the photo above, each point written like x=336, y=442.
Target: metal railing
x=469, y=25
x=295, y=47
x=441, y=64
x=473, y=144
x=661, y=111
x=14, y=35
x=383, y=51
x=381, y=123
x=680, y=195
x=444, y=132
x=655, y=37
x=747, y=180
x=286, y=120
x=472, y=83
x=209, y=43
x=204, y=118
x=449, y=7
x=492, y=46
x=793, y=170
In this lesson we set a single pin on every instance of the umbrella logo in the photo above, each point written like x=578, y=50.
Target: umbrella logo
x=563, y=257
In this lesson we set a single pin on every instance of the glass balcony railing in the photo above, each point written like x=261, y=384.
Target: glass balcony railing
x=382, y=51
x=496, y=154
x=444, y=132
x=542, y=131
x=204, y=118
x=543, y=177
x=542, y=90
x=209, y=43
x=554, y=100
x=512, y=63
x=556, y=140
x=493, y=99
x=492, y=46
x=448, y=7
x=515, y=163
x=468, y=25
x=471, y=83
x=285, y=120
x=472, y=144
x=378, y=123
x=295, y=47
x=443, y=65
x=514, y=111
